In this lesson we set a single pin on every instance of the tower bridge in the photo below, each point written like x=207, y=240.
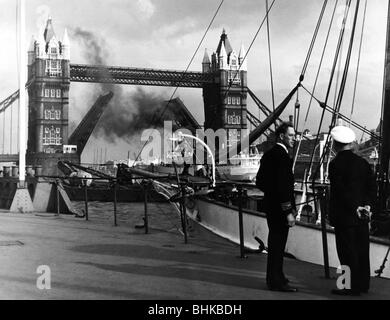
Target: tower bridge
x=223, y=81
x=138, y=76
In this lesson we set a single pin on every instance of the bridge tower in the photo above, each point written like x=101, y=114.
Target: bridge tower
x=49, y=81
x=225, y=99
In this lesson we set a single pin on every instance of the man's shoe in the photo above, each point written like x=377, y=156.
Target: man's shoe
x=345, y=292
x=285, y=288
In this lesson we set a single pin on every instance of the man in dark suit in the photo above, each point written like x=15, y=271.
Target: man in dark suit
x=352, y=195
x=275, y=178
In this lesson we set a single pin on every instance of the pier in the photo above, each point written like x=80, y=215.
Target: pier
x=95, y=260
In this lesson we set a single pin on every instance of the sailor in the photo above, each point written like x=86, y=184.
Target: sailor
x=275, y=178
x=352, y=195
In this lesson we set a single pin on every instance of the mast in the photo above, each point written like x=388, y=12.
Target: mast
x=22, y=201
x=385, y=125
x=22, y=92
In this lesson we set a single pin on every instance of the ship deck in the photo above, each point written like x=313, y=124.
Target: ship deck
x=96, y=260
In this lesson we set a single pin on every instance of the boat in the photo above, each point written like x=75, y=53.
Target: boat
x=85, y=183
x=241, y=167
x=304, y=240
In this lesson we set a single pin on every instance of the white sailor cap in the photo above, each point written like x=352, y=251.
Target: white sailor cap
x=343, y=134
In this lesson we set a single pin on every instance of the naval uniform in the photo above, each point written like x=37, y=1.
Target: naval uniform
x=275, y=178
x=352, y=185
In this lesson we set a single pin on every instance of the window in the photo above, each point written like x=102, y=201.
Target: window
x=53, y=50
x=234, y=77
x=53, y=67
x=234, y=100
x=234, y=119
x=52, y=136
x=234, y=64
x=58, y=91
x=46, y=136
x=52, y=93
x=47, y=93
x=52, y=114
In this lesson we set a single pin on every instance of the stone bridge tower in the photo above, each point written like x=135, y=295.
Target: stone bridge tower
x=225, y=99
x=49, y=80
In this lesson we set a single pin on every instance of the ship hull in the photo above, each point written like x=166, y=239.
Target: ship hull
x=304, y=240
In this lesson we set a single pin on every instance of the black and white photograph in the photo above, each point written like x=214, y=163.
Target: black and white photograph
x=195, y=156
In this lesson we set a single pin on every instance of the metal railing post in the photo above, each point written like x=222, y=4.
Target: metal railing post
x=58, y=197
x=183, y=214
x=322, y=194
x=146, y=221
x=240, y=222
x=115, y=202
x=86, y=199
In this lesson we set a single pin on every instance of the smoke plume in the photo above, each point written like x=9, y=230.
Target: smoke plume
x=127, y=115
x=93, y=47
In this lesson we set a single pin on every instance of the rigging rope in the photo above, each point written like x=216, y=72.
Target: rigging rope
x=348, y=60
x=327, y=148
x=341, y=36
x=338, y=74
x=249, y=48
x=343, y=117
x=188, y=66
x=316, y=80
x=270, y=61
x=306, y=63
x=358, y=62
x=336, y=109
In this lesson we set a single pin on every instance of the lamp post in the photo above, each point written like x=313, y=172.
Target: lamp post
x=22, y=200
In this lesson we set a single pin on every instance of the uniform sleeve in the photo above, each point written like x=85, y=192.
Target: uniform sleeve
x=283, y=187
x=261, y=177
x=370, y=194
x=332, y=200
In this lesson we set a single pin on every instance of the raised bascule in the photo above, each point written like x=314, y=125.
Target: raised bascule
x=223, y=80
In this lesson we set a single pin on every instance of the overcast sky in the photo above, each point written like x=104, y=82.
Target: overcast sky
x=165, y=33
